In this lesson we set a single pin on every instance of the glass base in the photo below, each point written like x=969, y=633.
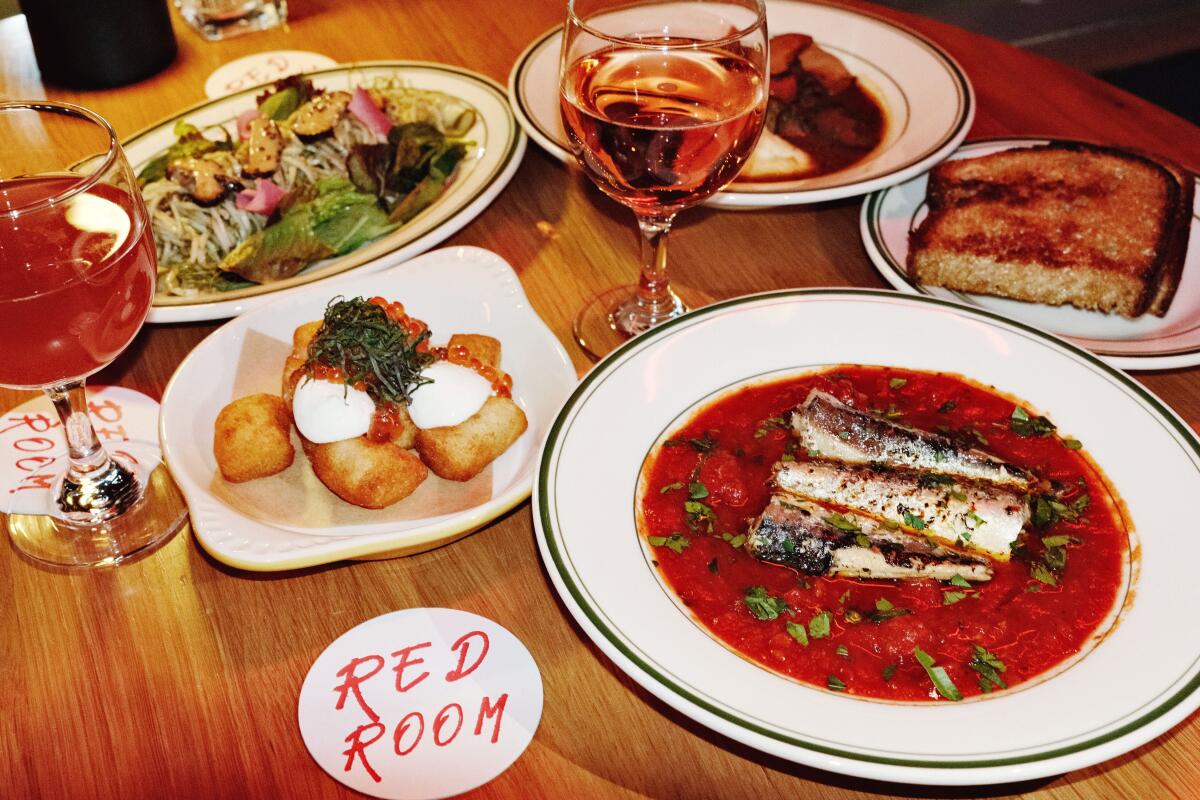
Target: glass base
x=222, y=19
x=149, y=522
x=612, y=318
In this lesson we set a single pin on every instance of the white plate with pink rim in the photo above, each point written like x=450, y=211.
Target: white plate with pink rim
x=1136, y=682
x=928, y=99
x=1148, y=342
x=290, y=520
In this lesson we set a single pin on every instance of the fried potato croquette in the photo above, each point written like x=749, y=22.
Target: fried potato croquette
x=252, y=438
x=460, y=452
x=291, y=366
x=366, y=473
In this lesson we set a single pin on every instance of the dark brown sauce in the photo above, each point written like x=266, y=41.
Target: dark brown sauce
x=828, y=115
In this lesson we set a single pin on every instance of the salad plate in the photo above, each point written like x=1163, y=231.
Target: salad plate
x=928, y=101
x=600, y=565
x=492, y=160
x=265, y=533
x=1147, y=342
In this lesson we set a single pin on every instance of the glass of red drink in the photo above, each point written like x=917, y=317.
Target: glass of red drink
x=77, y=272
x=663, y=101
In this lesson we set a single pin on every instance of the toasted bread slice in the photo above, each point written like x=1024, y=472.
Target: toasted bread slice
x=1065, y=223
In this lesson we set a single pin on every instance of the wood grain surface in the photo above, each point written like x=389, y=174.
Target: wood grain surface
x=177, y=677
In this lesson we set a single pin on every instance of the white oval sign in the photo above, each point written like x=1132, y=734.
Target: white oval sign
x=419, y=704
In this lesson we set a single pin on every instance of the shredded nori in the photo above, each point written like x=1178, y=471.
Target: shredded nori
x=360, y=339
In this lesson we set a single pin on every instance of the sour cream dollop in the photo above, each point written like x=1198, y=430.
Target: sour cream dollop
x=330, y=412
x=455, y=394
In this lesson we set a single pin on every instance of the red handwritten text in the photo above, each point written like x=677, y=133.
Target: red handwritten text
x=469, y=651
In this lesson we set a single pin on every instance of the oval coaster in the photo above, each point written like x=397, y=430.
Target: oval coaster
x=33, y=448
x=420, y=704
x=256, y=68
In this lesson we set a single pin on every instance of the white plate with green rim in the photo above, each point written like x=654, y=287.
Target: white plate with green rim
x=1138, y=682
x=454, y=290
x=928, y=99
x=499, y=145
x=1147, y=342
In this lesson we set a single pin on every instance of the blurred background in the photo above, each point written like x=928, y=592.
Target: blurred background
x=1148, y=47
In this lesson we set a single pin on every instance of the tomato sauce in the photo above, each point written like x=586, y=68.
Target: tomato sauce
x=1029, y=624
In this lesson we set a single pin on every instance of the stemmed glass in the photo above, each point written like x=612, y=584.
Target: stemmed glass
x=663, y=101
x=77, y=271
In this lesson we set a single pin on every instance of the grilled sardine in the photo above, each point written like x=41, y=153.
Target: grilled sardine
x=831, y=429
x=816, y=541
x=983, y=517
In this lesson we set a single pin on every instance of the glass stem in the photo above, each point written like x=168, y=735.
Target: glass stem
x=96, y=487
x=653, y=302
x=653, y=291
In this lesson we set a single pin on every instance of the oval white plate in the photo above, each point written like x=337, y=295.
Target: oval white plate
x=1148, y=342
x=1138, y=682
x=456, y=289
x=499, y=145
x=930, y=102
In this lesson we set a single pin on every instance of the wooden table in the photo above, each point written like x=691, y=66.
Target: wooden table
x=176, y=676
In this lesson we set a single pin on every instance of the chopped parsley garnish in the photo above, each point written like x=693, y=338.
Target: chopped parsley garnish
x=950, y=598
x=699, y=515
x=835, y=683
x=1042, y=574
x=889, y=671
x=930, y=480
x=797, y=632
x=1024, y=425
x=842, y=524
x=776, y=423
x=892, y=412
x=913, y=521
x=1048, y=509
x=960, y=581
x=740, y=539
x=697, y=490
x=818, y=626
x=843, y=651
x=1072, y=444
x=813, y=453
x=366, y=346
x=989, y=668
x=703, y=444
x=884, y=611
x=763, y=606
x=947, y=407
x=897, y=383
x=675, y=542
x=941, y=681
x=712, y=567
x=670, y=487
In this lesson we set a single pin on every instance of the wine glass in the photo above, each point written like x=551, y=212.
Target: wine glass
x=77, y=271
x=662, y=101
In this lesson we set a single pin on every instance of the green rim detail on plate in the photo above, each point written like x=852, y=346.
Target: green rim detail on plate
x=599, y=373
x=872, y=215
x=509, y=148
x=963, y=116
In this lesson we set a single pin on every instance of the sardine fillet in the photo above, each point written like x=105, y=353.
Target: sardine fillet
x=982, y=517
x=828, y=427
x=800, y=535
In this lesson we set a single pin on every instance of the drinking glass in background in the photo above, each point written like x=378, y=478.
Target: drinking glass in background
x=663, y=101
x=221, y=19
x=98, y=44
x=77, y=272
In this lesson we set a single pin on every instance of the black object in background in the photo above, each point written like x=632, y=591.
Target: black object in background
x=97, y=44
